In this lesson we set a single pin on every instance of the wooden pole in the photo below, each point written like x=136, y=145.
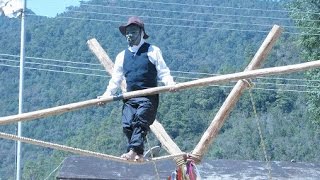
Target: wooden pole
x=156, y=127
x=216, y=124
x=196, y=83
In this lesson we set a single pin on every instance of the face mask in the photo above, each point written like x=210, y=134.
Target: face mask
x=133, y=35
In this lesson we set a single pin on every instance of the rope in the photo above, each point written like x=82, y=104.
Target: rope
x=263, y=144
x=181, y=168
x=154, y=164
x=248, y=82
x=83, y=152
x=53, y=171
x=195, y=157
x=180, y=161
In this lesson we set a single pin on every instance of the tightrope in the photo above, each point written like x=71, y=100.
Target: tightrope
x=84, y=152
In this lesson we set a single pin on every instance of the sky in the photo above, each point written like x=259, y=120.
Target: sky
x=50, y=8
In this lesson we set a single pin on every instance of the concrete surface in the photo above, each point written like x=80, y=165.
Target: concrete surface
x=89, y=168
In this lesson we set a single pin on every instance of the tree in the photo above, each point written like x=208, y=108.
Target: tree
x=306, y=15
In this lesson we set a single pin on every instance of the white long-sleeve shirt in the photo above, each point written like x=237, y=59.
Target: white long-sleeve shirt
x=155, y=57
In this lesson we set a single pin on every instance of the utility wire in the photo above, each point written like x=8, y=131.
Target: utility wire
x=55, y=60
x=57, y=71
x=54, y=65
x=266, y=78
x=193, y=12
x=262, y=83
x=77, y=73
x=214, y=14
x=189, y=20
x=221, y=7
x=179, y=26
x=182, y=72
x=294, y=85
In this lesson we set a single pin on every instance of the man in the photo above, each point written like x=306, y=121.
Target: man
x=140, y=65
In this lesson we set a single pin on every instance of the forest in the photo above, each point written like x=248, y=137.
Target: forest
x=198, y=39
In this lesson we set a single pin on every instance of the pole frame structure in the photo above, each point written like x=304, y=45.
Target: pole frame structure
x=216, y=124
x=21, y=83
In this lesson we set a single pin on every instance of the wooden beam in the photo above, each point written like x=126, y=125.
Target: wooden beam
x=216, y=124
x=190, y=84
x=156, y=127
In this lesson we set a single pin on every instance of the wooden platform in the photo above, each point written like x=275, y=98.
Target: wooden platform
x=88, y=168
x=85, y=168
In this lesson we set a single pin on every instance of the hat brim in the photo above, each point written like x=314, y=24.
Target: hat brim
x=124, y=27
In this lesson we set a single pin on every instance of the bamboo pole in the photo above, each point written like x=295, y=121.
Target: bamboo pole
x=190, y=84
x=156, y=127
x=216, y=124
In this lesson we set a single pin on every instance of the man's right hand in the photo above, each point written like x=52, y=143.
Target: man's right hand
x=173, y=88
x=100, y=103
x=106, y=94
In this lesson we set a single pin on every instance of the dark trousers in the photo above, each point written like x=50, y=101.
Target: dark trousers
x=137, y=115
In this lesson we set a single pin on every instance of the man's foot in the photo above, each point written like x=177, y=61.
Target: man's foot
x=138, y=158
x=130, y=156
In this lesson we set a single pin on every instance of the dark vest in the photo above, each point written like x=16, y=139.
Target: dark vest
x=138, y=71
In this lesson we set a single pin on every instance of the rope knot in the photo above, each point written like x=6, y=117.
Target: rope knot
x=248, y=82
x=194, y=157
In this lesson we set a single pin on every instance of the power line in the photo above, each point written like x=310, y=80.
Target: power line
x=275, y=84
x=54, y=65
x=222, y=7
x=287, y=90
x=181, y=12
x=266, y=89
x=194, y=12
x=185, y=19
x=286, y=79
x=55, y=60
x=182, y=72
x=267, y=78
x=280, y=84
x=224, y=15
x=76, y=73
x=166, y=25
x=179, y=26
x=188, y=20
x=57, y=71
x=11, y=55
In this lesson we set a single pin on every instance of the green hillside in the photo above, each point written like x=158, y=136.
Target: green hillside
x=198, y=39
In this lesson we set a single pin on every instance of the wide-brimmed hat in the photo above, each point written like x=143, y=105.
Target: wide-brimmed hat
x=133, y=20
